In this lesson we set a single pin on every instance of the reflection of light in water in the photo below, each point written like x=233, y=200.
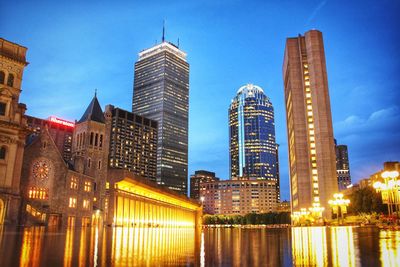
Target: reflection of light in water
x=82, y=247
x=152, y=246
x=309, y=246
x=69, y=243
x=343, y=246
x=31, y=246
x=389, y=244
x=202, y=251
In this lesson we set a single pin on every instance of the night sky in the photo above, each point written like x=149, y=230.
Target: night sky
x=78, y=46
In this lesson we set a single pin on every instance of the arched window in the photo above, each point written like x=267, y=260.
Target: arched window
x=96, y=139
x=2, y=77
x=3, y=152
x=91, y=138
x=10, y=80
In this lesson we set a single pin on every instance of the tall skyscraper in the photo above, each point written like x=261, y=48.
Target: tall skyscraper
x=252, y=135
x=312, y=160
x=133, y=142
x=342, y=166
x=161, y=93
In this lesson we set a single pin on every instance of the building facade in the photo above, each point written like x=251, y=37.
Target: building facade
x=312, y=160
x=342, y=166
x=13, y=128
x=239, y=197
x=252, y=135
x=53, y=192
x=161, y=93
x=60, y=130
x=198, y=178
x=133, y=143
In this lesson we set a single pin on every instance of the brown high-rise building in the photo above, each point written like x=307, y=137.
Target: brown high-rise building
x=312, y=159
x=197, y=179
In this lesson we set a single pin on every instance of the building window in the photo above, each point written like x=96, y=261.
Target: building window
x=101, y=141
x=86, y=204
x=3, y=151
x=72, y=202
x=96, y=139
x=89, y=162
x=88, y=186
x=3, y=108
x=91, y=138
x=74, y=183
x=38, y=193
x=10, y=80
x=2, y=77
x=99, y=165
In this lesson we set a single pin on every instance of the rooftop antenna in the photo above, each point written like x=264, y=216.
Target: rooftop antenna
x=163, y=31
x=178, y=42
x=95, y=92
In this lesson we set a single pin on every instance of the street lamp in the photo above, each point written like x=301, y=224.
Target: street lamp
x=389, y=189
x=339, y=205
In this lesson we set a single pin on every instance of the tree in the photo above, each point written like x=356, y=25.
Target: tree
x=366, y=200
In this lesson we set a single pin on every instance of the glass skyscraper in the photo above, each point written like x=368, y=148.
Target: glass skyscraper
x=161, y=93
x=252, y=135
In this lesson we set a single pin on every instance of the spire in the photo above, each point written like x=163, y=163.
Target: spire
x=93, y=112
x=163, y=32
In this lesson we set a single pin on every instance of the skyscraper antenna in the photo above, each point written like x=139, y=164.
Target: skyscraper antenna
x=95, y=92
x=163, y=31
x=178, y=42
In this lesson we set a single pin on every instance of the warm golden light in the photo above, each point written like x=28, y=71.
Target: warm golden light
x=389, y=244
x=342, y=243
x=309, y=246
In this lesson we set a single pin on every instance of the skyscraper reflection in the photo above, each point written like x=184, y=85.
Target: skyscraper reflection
x=309, y=246
x=342, y=243
x=389, y=244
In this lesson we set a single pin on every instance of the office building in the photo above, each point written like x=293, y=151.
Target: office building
x=342, y=166
x=161, y=93
x=252, y=135
x=230, y=197
x=60, y=130
x=13, y=128
x=133, y=143
x=198, y=178
x=312, y=160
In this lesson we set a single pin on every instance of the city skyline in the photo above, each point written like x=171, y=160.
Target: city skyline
x=362, y=98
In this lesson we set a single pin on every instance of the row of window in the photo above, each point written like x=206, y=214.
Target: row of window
x=73, y=203
x=87, y=187
x=38, y=193
x=95, y=139
x=10, y=79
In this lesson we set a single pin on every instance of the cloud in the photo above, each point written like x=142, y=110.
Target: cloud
x=316, y=10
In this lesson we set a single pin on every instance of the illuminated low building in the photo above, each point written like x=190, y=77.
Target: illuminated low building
x=60, y=130
x=135, y=201
x=53, y=193
x=239, y=196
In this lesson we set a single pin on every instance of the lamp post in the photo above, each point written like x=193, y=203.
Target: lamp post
x=389, y=190
x=339, y=205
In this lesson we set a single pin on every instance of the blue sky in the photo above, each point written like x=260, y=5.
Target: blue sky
x=77, y=46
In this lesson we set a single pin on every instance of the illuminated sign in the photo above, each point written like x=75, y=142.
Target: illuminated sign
x=61, y=121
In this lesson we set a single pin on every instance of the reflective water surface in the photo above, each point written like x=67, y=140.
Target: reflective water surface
x=299, y=246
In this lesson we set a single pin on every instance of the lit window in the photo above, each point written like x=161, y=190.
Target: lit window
x=72, y=202
x=308, y=95
x=313, y=151
x=309, y=107
x=312, y=145
x=316, y=199
x=309, y=113
x=38, y=193
x=88, y=186
x=74, y=183
x=86, y=204
x=315, y=185
x=314, y=171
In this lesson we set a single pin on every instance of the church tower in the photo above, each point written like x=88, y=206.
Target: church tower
x=90, y=149
x=13, y=128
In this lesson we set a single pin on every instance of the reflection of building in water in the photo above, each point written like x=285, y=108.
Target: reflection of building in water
x=389, y=244
x=31, y=248
x=155, y=247
x=342, y=245
x=309, y=246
